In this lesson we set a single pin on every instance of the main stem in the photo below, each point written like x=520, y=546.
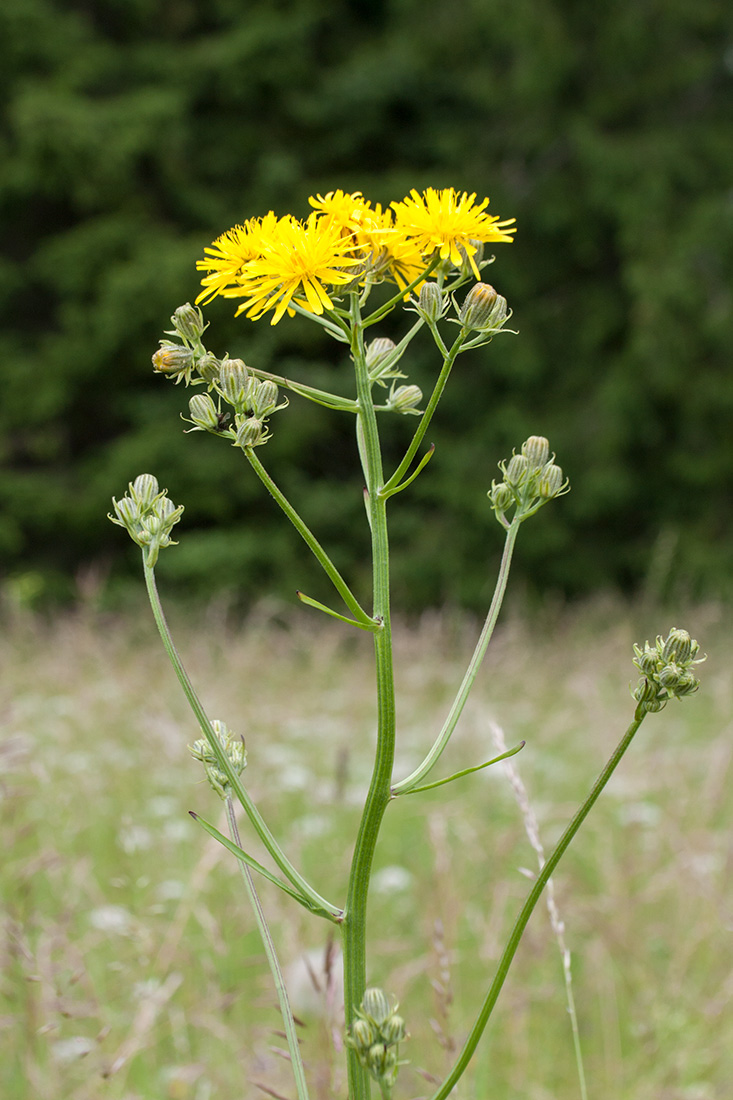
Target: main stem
x=355, y=912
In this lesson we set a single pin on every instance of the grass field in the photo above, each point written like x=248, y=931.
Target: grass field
x=130, y=964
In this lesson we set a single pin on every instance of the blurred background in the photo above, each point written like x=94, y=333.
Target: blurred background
x=135, y=131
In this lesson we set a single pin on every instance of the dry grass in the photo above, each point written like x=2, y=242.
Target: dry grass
x=130, y=966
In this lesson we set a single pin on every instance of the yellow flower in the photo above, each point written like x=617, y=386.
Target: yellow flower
x=229, y=253
x=296, y=262
x=448, y=223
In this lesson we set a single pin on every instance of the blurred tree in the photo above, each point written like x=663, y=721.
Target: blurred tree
x=135, y=131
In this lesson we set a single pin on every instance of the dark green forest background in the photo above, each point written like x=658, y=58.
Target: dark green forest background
x=135, y=131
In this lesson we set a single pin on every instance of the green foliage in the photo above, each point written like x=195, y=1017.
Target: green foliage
x=135, y=132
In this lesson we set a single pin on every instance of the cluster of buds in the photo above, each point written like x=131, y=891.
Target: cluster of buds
x=252, y=399
x=530, y=479
x=147, y=515
x=375, y=1035
x=180, y=360
x=234, y=750
x=666, y=670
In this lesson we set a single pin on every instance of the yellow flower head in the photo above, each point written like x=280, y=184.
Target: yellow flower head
x=296, y=262
x=447, y=223
x=229, y=253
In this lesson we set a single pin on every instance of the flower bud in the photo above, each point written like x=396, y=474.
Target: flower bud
x=483, y=309
x=501, y=497
x=233, y=379
x=404, y=399
x=263, y=398
x=251, y=432
x=128, y=513
x=378, y=352
x=376, y=1058
x=144, y=489
x=234, y=750
x=537, y=450
x=393, y=1029
x=431, y=302
x=188, y=322
x=517, y=471
x=173, y=359
x=208, y=366
x=646, y=694
x=203, y=412
x=677, y=646
x=551, y=481
x=375, y=1005
x=362, y=1034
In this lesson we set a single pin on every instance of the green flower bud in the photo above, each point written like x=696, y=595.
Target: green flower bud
x=404, y=399
x=174, y=360
x=501, y=496
x=188, y=322
x=477, y=256
x=251, y=433
x=378, y=352
x=393, y=1030
x=376, y=1058
x=144, y=489
x=234, y=750
x=677, y=646
x=208, y=366
x=263, y=399
x=127, y=512
x=363, y=1034
x=537, y=450
x=431, y=302
x=233, y=383
x=375, y=1005
x=551, y=481
x=647, y=696
x=203, y=412
x=517, y=471
x=483, y=309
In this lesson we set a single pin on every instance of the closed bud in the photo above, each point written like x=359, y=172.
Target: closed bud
x=483, y=309
x=501, y=497
x=537, y=450
x=203, y=412
x=551, y=481
x=263, y=398
x=376, y=1005
x=377, y=352
x=677, y=646
x=431, y=302
x=233, y=380
x=646, y=694
x=405, y=399
x=208, y=366
x=127, y=512
x=376, y=1058
x=251, y=432
x=188, y=322
x=144, y=489
x=517, y=470
x=173, y=359
x=393, y=1029
x=475, y=259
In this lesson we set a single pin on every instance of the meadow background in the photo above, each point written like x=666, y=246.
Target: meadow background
x=132, y=133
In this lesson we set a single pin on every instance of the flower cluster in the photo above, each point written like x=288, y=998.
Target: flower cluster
x=530, y=480
x=234, y=749
x=666, y=669
x=147, y=515
x=375, y=1035
x=280, y=264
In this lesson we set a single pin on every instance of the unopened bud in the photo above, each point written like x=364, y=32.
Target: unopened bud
x=263, y=398
x=677, y=646
x=188, y=322
x=375, y=1005
x=517, y=470
x=173, y=359
x=431, y=302
x=483, y=309
x=203, y=412
x=393, y=1029
x=537, y=450
x=376, y=1058
x=377, y=352
x=233, y=379
x=251, y=432
x=208, y=366
x=144, y=489
x=551, y=481
x=405, y=399
x=501, y=497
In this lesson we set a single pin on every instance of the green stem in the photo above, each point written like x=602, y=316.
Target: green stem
x=277, y=976
x=526, y=911
x=355, y=911
x=415, y=778
x=448, y=361
x=311, y=541
x=235, y=782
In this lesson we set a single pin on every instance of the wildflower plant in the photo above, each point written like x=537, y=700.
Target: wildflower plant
x=429, y=250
